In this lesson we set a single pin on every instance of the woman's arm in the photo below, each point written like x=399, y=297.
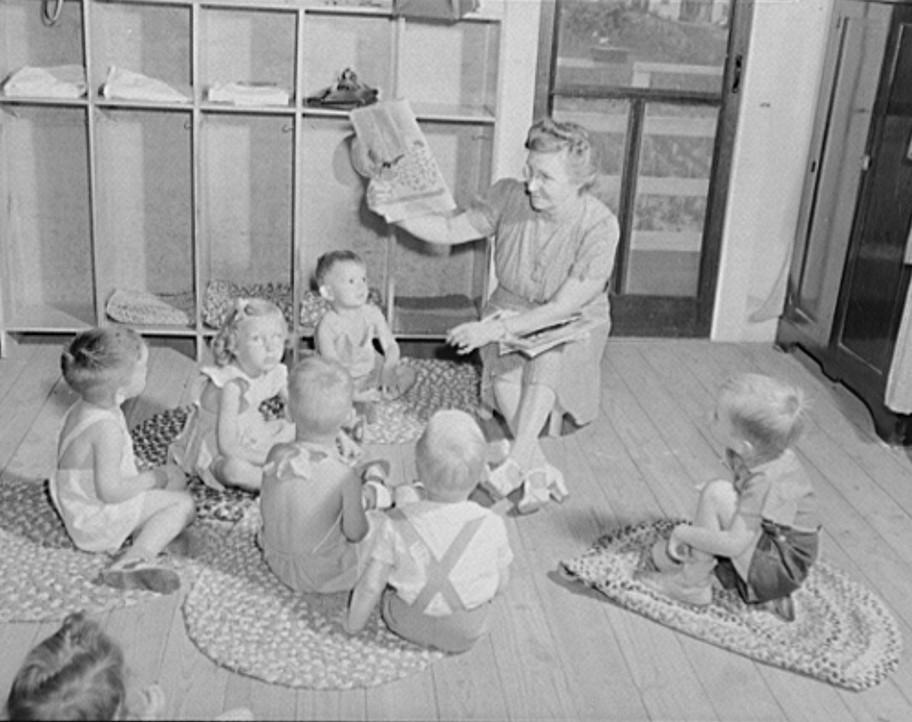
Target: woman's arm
x=366, y=595
x=434, y=228
x=354, y=520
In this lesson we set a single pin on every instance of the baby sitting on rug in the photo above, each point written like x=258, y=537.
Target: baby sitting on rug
x=347, y=332
x=97, y=488
x=316, y=534
x=438, y=562
x=758, y=532
x=226, y=438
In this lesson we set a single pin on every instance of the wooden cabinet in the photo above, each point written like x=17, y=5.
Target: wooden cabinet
x=146, y=189
x=849, y=278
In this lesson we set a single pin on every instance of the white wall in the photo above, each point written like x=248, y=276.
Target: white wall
x=780, y=86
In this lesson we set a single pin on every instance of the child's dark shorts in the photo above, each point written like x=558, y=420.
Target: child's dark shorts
x=781, y=563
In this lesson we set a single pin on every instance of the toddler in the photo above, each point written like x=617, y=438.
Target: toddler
x=316, y=534
x=438, y=562
x=226, y=438
x=97, y=489
x=78, y=673
x=347, y=331
x=759, y=532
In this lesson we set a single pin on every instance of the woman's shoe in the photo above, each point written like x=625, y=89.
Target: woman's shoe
x=535, y=491
x=504, y=479
x=557, y=487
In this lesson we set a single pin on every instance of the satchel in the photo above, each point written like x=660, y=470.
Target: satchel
x=447, y=10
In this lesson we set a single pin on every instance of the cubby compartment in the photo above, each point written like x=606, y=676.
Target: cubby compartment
x=45, y=236
x=25, y=39
x=449, y=70
x=144, y=213
x=141, y=53
x=247, y=57
x=334, y=42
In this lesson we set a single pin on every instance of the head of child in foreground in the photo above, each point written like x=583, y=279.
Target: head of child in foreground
x=252, y=336
x=320, y=397
x=102, y=363
x=450, y=456
x=758, y=416
x=342, y=279
x=76, y=673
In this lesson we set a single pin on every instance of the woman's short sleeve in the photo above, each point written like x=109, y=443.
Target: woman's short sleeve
x=595, y=256
x=486, y=210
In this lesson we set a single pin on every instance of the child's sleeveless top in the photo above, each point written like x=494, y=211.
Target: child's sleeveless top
x=301, y=536
x=94, y=525
x=196, y=447
x=356, y=353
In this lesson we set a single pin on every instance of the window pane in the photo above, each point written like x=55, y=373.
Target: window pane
x=607, y=121
x=670, y=206
x=658, y=44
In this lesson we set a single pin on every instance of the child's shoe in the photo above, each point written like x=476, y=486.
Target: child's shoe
x=691, y=583
x=408, y=494
x=186, y=545
x=664, y=559
x=136, y=573
x=376, y=493
x=535, y=492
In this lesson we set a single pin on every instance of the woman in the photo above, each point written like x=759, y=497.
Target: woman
x=554, y=248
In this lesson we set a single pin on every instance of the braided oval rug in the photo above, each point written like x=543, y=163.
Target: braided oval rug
x=844, y=634
x=243, y=618
x=45, y=577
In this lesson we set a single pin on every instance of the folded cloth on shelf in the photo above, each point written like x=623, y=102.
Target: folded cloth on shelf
x=59, y=81
x=124, y=84
x=142, y=308
x=248, y=94
x=843, y=634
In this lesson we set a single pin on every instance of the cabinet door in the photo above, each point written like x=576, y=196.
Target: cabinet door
x=851, y=68
x=875, y=281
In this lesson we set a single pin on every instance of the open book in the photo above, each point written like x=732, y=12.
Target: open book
x=532, y=343
x=390, y=147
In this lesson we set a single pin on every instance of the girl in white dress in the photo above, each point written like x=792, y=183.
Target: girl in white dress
x=226, y=438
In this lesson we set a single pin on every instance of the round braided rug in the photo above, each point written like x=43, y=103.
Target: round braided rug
x=242, y=617
x=45, y=577
x=844, y=634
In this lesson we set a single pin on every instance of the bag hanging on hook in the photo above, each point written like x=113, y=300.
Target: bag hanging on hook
x=447, y=10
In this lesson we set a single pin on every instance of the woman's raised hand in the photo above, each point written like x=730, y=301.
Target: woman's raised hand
x=379, y=194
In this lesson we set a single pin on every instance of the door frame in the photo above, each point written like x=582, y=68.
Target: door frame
x=666, y=316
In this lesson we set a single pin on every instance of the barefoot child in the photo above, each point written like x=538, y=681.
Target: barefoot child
x=758, y=532
x=226, y=438
x=316, y=535
x=100, y=494
x=346, y=333
x=438, y=563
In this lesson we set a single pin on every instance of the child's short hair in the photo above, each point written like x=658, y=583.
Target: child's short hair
x=768, y=412
x=320, y=395
x=100, y=356
x=76, y=673
x=450, y=454
x=225, y=342
x=328, y=261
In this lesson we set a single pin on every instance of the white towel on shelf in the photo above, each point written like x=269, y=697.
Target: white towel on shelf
x=248, y=94
x=59, y=81
x=126, y=85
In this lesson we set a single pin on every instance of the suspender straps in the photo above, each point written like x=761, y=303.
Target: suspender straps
x=439, y=570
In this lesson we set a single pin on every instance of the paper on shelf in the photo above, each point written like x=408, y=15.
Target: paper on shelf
x=393, y=149
x=59, y=81
x=248, y=94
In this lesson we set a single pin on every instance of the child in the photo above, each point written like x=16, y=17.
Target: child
x=226, y=438
x=438, y=563
x=348, y=330
x=97, y=489
x=761, y=528
x=78, y=673
x=316, y=534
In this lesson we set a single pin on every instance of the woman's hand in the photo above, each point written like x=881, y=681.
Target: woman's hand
x=467, y=337
x=379, y=194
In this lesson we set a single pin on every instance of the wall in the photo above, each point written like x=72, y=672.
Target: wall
x=780, y=88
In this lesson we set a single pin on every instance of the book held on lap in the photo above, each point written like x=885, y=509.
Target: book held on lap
x=531, y=343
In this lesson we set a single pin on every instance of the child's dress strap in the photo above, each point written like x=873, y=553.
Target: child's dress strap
x=90, y=419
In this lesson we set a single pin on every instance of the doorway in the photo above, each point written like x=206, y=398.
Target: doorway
x=657, y=83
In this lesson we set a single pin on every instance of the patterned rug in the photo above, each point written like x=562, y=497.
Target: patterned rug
x=244, y=619
x=843, y=634
x=45, y=577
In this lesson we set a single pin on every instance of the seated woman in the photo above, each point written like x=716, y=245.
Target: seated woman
x=554, y=248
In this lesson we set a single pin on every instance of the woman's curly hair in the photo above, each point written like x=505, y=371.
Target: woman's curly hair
x=552, y=136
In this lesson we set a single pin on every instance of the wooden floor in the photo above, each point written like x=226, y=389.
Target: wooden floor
x=553, y=654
